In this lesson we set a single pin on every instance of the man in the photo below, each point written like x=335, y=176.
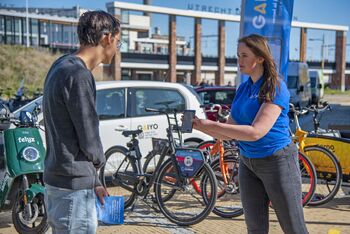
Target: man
x=74, y=149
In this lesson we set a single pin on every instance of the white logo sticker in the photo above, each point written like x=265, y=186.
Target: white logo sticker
x=26, y=139
x=188, y=161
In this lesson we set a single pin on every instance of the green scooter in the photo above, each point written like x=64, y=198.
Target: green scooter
x=21, y=171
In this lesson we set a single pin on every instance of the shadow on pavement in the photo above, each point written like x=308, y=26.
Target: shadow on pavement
x=5, y=220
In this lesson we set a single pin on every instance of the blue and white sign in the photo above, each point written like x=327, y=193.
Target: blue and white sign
x=272, y=19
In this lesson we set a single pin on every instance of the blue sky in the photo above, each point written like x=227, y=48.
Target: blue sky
x=316, y=11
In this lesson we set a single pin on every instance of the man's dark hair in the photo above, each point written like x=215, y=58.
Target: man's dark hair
x=94, y=24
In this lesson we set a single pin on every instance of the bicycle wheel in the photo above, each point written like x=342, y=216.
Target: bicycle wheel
x=228, y=203
x=117, y=161
x=308, y=178
x=186, y=206
x=329, y=174
x=149, y=166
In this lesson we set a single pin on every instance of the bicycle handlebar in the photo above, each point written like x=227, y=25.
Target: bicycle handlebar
x=296, y=112
x=212, y=106
x=314, y=108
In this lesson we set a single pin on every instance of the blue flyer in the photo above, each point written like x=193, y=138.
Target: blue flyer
x=112, y=212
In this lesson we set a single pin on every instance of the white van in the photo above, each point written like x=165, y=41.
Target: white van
x=299, y=84
x=317, y=86
x=121, y=105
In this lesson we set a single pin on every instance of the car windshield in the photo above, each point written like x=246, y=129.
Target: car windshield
x=292, y=82
x=29, y=107
x=222, y=97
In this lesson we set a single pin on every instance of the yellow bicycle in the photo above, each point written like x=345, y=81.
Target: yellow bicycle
x=328, y=168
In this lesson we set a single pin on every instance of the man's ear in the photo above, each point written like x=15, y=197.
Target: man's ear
x=106, y=40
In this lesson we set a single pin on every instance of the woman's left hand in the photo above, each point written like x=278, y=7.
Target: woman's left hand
x=199, y=123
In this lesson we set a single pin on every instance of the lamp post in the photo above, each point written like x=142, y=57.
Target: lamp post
x=322, y=50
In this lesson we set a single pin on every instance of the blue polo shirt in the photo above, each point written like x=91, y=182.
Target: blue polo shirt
x=244, y=108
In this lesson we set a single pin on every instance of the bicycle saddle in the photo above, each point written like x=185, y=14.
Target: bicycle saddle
x=131, y=132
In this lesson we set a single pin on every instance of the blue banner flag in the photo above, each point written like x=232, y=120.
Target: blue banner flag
x=271, y=19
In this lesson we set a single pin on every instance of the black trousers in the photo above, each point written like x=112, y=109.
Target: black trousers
x=275, y=178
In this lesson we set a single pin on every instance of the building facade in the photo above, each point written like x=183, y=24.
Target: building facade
x=150, y=54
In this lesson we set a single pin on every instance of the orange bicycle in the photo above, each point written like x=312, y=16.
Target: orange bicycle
x=223, y=158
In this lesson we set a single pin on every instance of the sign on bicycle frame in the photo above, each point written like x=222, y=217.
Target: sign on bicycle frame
x=158, y=144
x=190, y=161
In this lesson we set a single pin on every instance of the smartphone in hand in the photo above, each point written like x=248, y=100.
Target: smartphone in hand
x=187, y=121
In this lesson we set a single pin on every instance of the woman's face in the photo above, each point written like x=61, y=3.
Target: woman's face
x=247, y=60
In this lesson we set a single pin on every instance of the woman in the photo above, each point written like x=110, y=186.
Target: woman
x=269, y=168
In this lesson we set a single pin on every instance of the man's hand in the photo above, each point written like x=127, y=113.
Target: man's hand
x=101, y=192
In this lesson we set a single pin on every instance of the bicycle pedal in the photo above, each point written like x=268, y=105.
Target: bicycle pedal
x=141, y=177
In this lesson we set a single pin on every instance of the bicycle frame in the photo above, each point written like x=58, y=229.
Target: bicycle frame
x=141, y=175
x=299, y=138
x=300, y=135
x=218, y=149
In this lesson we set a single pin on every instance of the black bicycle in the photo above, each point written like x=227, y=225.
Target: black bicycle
x=172, y=177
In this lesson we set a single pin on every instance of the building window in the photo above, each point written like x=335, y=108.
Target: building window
x=75, y=35
x=2, y=29
x=9, y=30
x=67, y=31
x=126, y=74
x=18, y=31
x=34, y=31
x=56, y=34
x=44, y=33
x=126, y=39
x=124, y=16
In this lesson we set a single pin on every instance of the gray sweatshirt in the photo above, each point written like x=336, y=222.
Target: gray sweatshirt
x=74, y=149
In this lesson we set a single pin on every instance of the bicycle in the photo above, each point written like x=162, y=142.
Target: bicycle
x=328, y=169
x=171, y=178
x=223, y=157
x=332, y=140
x=228, y=201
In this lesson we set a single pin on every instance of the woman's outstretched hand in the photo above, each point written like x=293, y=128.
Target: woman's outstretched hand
x=200, y=124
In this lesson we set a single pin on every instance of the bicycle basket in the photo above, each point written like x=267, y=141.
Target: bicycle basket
x=158, y=144
x=190, y=161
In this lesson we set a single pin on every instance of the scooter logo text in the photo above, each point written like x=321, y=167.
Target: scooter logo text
x=26, y=139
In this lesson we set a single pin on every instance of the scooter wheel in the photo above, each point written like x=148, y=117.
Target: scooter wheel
x=24, y=222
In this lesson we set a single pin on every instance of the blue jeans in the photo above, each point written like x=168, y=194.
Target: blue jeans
x=71, y=211
x=275, y=178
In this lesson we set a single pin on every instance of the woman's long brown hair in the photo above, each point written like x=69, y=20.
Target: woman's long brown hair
x=260, y=47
